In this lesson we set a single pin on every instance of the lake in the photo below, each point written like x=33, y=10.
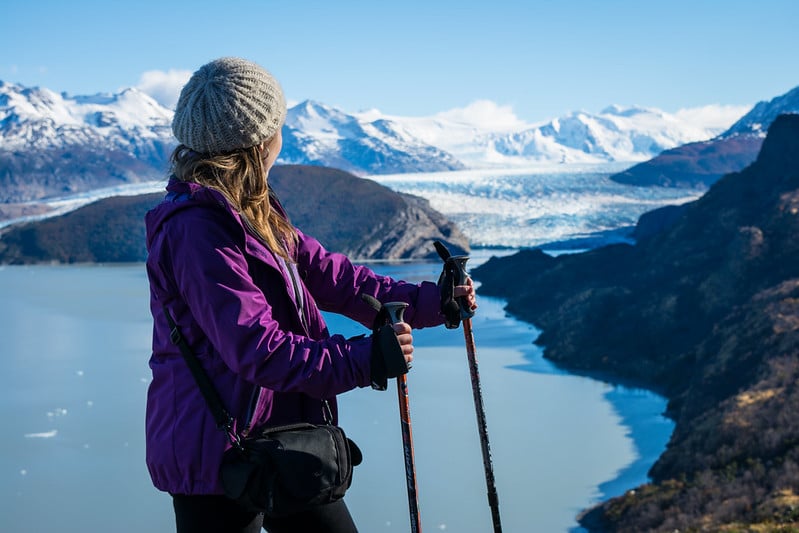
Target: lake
x=75, y=345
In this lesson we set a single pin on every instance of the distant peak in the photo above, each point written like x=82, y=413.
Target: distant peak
x=613, y=109
x=313, y=110
x=628, y=111
x=311, y=104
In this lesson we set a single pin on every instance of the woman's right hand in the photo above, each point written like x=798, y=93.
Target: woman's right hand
x=405, y=339
x=392, y=353
x=466, y=291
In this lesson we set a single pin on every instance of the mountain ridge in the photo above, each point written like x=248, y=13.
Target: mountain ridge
x=703, y=309
x=52, y=144
x=700, y=164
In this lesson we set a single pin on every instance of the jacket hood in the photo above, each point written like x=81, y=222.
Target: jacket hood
x=177, y=192
x=182, y=196
x=175, y=200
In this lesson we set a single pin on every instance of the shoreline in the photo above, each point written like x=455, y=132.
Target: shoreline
x=646, y=424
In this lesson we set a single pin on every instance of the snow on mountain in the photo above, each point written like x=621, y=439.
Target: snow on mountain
x=463, y=132
x=53, y=144
x=763, y=114
x=482, y=134
x=700, y=164
x=487, y=135
x=41, y=118
x=315, y=133
x=615, y=134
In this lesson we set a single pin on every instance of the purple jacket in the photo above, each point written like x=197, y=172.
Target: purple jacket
x=234, y=302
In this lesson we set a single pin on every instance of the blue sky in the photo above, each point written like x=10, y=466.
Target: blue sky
x=418, y=57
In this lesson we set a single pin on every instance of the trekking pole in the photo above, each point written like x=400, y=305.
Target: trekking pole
x=396, y=310
x=459, y=261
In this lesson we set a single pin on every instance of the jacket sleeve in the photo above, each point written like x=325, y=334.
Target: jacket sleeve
x=337, y=284
x=211, y=275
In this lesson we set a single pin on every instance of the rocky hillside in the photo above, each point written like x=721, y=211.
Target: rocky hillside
x=347, y=214
x=700, y=164
x=705, y=309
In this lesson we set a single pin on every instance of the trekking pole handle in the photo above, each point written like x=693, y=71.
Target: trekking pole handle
x=396, y=311
x=460, y=263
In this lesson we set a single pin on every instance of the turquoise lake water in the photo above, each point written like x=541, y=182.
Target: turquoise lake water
x=75, y=345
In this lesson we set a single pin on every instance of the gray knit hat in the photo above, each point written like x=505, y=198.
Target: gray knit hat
x=227, y=104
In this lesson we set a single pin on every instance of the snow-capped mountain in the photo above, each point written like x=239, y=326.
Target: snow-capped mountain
x=53, y=144
x=763, y=114
x=317, y=134
x=700, y=164
x=615, y=134
x=35, y=118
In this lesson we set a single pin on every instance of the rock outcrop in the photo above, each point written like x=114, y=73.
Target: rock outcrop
x=347, y=214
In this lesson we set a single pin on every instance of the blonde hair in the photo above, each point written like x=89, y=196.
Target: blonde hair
x=241, y=177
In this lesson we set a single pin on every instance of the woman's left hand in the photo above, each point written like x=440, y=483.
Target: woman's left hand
x=467, y=291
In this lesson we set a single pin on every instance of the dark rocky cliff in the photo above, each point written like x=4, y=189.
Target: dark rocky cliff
x=698, y=164
x=705, y=309
x=347, y=214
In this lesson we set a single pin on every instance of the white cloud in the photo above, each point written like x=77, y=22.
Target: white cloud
x=714, y=116
x=486, y=115
x=164, y=87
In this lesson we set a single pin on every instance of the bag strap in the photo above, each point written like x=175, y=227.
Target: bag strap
x=224, y=421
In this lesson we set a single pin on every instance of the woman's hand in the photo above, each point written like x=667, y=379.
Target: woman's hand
x=403, y=331
x=467, y=291
x=392, y=353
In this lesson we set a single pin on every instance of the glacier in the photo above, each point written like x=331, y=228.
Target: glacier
x=495, y=208
x=537, y=206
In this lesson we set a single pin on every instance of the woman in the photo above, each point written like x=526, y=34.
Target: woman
x=246, y=288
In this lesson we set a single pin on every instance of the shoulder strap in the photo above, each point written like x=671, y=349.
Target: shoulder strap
x=221, y=416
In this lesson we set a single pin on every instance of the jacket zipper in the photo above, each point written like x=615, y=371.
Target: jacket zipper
x=298, y=302
x=327, y=413
x=254, y=397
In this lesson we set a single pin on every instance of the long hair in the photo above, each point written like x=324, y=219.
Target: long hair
x=241, y=177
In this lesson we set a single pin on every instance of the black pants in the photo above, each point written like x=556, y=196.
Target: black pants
x=218, y=514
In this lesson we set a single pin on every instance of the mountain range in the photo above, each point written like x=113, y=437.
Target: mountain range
x=700, y=164
x=53, y=144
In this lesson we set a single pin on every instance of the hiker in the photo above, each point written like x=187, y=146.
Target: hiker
x=245, y=288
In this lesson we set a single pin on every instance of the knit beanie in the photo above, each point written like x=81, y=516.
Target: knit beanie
x=229, y=103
